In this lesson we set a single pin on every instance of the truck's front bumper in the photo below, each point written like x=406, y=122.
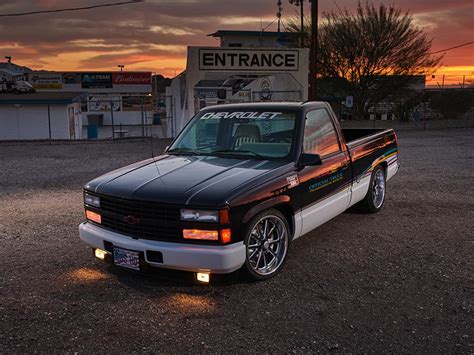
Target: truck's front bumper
x=215, y=259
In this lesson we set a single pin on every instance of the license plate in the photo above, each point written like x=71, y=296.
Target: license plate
x=127, y=258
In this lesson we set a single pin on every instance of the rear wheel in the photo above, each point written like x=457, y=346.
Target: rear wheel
x=266, y=245
x=375, y=198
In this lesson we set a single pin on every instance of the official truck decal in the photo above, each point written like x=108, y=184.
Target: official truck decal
x=325, y=182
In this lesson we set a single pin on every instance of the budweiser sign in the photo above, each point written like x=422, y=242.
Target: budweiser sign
x=132, y=78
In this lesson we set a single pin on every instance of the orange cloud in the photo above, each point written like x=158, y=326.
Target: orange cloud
x=153, y=35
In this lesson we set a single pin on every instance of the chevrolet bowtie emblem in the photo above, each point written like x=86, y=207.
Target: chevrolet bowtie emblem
x=131, y=219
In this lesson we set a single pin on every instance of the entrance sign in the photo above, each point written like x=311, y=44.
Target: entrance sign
x=249, y=59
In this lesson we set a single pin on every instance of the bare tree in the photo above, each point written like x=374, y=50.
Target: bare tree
x=371, y=54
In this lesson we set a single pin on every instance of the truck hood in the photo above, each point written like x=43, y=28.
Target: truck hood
x=183, y=180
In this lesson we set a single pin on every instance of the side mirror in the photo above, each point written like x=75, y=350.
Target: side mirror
x=309, y=160
x=166, y=148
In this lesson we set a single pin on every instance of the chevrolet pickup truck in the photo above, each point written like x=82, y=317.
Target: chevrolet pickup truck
x=238, y=185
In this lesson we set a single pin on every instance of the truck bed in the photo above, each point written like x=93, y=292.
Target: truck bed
x=357, y=136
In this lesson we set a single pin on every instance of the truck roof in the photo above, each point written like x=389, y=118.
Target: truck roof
x=267, y=105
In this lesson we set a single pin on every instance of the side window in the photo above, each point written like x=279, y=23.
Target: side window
x=319, y=134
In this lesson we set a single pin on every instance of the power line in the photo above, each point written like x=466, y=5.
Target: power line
x=70, y=9
x=448, y=49
x=271, y=23
x=338, y=8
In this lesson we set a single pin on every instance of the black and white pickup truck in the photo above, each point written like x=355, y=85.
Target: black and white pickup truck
x=237, y=186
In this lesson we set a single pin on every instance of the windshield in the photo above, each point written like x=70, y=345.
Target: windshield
x=248, y=134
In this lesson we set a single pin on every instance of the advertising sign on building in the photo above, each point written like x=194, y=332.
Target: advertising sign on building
x=131, y=78
x=104, y=103
x=262, y=60
x=71, y=78
x=136, y=103
x=96, y=80
x=45, y=81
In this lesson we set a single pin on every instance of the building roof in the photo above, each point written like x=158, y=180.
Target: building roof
x=222, y=33
x=39, y=98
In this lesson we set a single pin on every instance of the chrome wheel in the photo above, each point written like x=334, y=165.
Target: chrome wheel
x=267, y=245
x=378, y=188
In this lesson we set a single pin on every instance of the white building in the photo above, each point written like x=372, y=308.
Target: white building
x=122, y=99
x=40, y=116
x=12, y=72
x=126, y=93
x=249, y=66
x=259, y=39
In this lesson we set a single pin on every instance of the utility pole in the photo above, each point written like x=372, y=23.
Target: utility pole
x=300, y=3
x=302, y=22
x=313, y=50
x=279, y=14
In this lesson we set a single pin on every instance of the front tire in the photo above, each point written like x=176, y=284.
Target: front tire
x=375, y=198
x=266, y=245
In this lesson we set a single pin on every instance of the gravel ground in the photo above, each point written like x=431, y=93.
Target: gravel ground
x=399, y=281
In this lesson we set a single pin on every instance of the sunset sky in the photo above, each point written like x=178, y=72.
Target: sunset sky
x=153, y=35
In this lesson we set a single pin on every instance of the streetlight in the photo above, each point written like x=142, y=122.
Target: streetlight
x=121, y=66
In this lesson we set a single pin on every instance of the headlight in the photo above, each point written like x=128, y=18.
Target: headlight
x=92, y=200
x=199, y=216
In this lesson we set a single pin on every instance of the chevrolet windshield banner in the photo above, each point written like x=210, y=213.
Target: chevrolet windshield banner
x=250, y=115
x=248, y=59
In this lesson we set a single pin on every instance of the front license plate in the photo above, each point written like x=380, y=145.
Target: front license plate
x=127, y=258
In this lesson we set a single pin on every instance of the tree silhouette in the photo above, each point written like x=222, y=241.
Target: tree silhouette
x=371, y=54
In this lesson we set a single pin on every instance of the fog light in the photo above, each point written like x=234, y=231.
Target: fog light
x=100, y=254
x=203, y=277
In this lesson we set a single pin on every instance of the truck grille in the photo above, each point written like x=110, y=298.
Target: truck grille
x=140, y=219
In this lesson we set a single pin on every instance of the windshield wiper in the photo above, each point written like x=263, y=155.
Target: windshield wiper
x=190, y=151
x=238, y=152
x=183, y=151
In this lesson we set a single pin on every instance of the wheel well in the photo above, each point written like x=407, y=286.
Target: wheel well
x=384, y=165
x=287, y=211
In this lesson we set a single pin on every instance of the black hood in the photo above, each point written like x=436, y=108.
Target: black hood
x=200, y=181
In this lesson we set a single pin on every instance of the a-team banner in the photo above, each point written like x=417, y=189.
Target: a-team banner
x=248, y=59
x=131, y=78
x=46, y=81
x=96, y=80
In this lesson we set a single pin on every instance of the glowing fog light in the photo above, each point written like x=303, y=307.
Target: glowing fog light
x=100, y=254
x=203, y=277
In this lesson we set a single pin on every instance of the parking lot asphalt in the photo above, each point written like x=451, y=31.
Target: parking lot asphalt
x=398, y=281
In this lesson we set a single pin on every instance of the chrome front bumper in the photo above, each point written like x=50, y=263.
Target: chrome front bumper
x=188, y=257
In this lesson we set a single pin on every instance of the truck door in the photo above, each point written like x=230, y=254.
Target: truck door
x=324, y=189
